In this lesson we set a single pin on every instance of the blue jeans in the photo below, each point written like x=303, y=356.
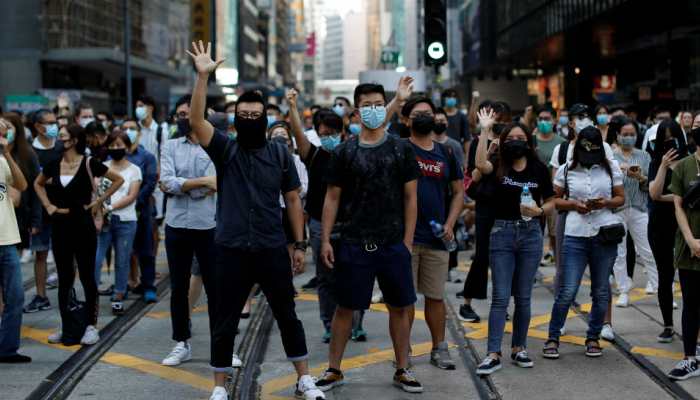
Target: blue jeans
x=121, y=235
x=516, y=251
x=576, y=253
x=13, y=296
x=144, y=247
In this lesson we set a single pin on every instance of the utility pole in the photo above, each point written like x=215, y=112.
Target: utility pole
x=127, y=59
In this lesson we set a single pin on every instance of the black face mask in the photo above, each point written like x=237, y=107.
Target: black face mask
x=251, y=132
x=514, y=149
x=404, y=130
x=422, y=125
x=183, y=126
x=117, y=154
x=440, y=128
x=280, y=139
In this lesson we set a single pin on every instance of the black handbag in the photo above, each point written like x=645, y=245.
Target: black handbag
x=74, y=321
x=611, y=234
x=691, y=200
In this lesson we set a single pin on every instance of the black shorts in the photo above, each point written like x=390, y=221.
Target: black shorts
x=357, y=266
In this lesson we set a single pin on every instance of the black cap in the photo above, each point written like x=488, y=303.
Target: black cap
x=579, y=109
x=589, y=146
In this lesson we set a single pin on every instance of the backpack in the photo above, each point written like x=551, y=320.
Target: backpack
x=563, y=150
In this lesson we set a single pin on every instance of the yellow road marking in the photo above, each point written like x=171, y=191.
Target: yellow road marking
x=654, y=352
x=166, y=314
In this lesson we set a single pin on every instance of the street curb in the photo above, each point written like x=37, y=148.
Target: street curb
x=470, y=357
x=243, y=382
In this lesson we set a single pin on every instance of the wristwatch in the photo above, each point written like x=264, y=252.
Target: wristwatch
x=302, y=245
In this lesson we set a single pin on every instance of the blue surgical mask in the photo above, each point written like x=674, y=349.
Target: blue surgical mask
x=602, y=119
x=141, y=113
x=450, y=102
x=231, y=118
x=563, y=120
x=52, y=131
x=10, y=136
x=355, y=129
x=330, y=142
x=118, y=122
x=271, y=119
x=545, y=127
x=132, y=134
x=627, y=141
x=373, y=116
x=339, y=110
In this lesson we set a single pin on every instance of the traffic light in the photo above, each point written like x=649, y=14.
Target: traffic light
x=435, y=29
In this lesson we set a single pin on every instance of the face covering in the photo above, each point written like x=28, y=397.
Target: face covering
x=251, y=132
x=515, y=149
x=339, y=110
x=545, y=127
x=85, y=121
x=440, y=128
x=10, y=136
x=581, y=124
x=52, y=131
x=231, y=118
x=330, y=142
x=141, y=113
x=183, y=126
x=116, y=154
x=422, y=125
x=627, y=141
x=373, y=116
x=450, y=102
x=105, y=124
x=132, y=134
x=602, y=119
x=563, y=120
x=271, y=119
x=280, y=140
x=597, y=158
x=355, y=129
x=118, y=122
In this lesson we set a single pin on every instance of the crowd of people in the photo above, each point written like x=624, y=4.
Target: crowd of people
x=378, y=189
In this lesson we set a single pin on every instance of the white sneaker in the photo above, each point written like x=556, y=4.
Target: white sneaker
x=27, y=257
x=650, y=289
x=219, y=393
x=55, y=337
x=91, y=335
x=607, y=333
x=236, y=362
x=675, y=305
x=180, y=353
x=52, y=281
x=562, y=331
x=623, y=300
x=306, y=389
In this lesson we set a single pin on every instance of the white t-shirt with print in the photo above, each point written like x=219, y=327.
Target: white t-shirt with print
x=131, y=174
x=9, y=232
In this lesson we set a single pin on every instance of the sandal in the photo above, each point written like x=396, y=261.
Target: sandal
x=593, y=348
x=551, y=353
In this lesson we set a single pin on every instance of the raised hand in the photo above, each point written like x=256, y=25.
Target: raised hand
x=405, y=88
x=669, y=157
x=292, y=97
x=487, y=118
x=201, y=57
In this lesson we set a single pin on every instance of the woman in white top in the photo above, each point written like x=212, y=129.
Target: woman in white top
x=589, y=188
x=120, y=217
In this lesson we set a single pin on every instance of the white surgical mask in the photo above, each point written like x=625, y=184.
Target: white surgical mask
x=583, y=123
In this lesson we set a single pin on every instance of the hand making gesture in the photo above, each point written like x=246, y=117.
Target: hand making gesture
x=203, y=62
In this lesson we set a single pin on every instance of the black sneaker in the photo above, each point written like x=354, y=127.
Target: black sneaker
x=330, y=379
x=684, y=369
x=37, y=304
x=15, y=359
x=404, y=379
x=467, y=314
x=311, y=284
x=521, y=359
x=460, y=294
x=488, y=366
x=666, y=336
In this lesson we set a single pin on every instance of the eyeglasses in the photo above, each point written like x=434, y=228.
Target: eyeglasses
x=183, y=114
x=249, y=115
x=422, y=115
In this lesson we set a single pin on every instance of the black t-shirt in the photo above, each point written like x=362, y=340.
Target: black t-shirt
x=535, y=176
x=78, y=192
x=372, y=179
x=317, y=164
x=458, y=127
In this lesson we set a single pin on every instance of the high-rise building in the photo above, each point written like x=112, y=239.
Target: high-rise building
x=355, y=43
x=333, y=48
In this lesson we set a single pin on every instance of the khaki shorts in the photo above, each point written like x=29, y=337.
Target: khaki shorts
x=430, y=271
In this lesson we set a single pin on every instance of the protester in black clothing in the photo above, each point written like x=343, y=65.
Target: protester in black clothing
x=96, y=135
x=65, y=188
x=250, y=243
x=457, y=124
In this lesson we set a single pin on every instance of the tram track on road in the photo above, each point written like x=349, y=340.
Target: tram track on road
x=59, y=384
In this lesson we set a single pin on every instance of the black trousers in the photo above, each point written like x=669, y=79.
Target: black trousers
x=476, y=284
x=690, y=281
x=74, y=239
x=662, y=235
x=181, y=245
x=235, y=273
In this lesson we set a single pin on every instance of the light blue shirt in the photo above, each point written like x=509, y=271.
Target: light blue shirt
x=636, y=193
x=182, y=160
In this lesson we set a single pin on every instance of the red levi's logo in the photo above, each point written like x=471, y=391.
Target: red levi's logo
x=431, y=168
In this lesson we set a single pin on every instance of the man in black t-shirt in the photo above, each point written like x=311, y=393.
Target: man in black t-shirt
x=249, y=238
x=372, y=182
